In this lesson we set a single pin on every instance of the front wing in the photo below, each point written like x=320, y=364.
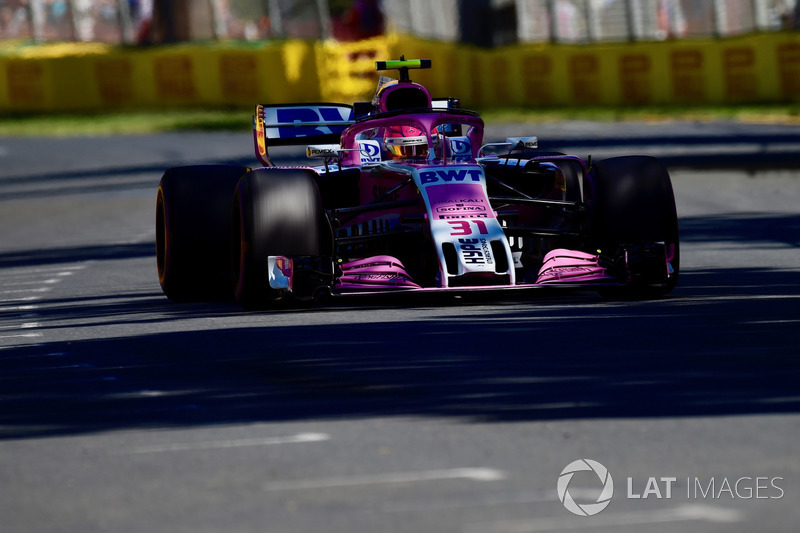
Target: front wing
x=562, y=268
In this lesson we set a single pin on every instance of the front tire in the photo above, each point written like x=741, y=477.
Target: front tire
x=276, y=212
x=632, y=208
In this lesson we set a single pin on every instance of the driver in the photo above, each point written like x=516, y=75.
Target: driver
x=405, y=142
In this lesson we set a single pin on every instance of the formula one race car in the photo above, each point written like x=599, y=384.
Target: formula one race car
x=406, y=197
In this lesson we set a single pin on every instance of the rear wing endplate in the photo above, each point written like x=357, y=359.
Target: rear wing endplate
x=296, y=124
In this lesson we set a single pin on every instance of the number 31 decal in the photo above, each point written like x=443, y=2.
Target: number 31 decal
x=462, y=227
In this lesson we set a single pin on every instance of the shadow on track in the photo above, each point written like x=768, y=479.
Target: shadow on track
x=111, y=171
x=757, y=150
x=724, y=343
x=55, y=256
x=751, y=228
x=94, y=181
x=710, y=350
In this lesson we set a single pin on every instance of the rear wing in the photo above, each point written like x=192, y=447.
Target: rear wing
x=296, y=124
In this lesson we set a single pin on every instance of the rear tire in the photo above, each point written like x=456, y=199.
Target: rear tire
x=193, y=231
x=632, y=206
x=275, y=212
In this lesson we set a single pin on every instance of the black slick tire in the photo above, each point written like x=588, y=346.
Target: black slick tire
x=193, y=206
x=632, y=205
x=276, y=212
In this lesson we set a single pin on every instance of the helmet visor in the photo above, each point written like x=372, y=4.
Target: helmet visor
x=407, y=147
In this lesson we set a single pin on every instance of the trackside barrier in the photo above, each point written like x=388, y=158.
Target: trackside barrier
x=93, y=78
x=763, y=68
x=347, y=70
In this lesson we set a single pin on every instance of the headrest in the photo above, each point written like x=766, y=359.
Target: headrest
x=397, y=96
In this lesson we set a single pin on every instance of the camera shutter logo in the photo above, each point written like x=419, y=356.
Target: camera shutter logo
x=588, y=509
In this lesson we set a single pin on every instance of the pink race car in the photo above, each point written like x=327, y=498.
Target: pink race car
x=404, y=197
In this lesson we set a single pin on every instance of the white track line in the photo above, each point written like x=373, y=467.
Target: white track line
x=516, y=498
x=224, y=444
x=472, y=474
x=757, y=322
x=26, y=325
x=18, y=308
x=466, y=503
x=21, y=335
x=21, y=299
x=40, y=289
x=682, y=513
x=50, y=281
x=704, y=299
x=59, y=271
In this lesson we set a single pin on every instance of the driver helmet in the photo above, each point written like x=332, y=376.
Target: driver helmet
x=404, y=142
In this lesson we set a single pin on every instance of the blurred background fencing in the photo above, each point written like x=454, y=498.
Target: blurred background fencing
x=480, y=22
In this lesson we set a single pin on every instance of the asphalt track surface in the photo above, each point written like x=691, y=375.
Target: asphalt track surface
x=123, y=412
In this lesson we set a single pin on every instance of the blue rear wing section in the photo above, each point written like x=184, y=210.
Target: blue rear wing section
x=297, y=124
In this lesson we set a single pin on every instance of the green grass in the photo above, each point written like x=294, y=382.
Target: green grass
x=765, y=114
x=156, y=121
x=132, y=122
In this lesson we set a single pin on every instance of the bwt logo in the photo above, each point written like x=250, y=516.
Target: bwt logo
x=588, y=509
x=433, y=176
